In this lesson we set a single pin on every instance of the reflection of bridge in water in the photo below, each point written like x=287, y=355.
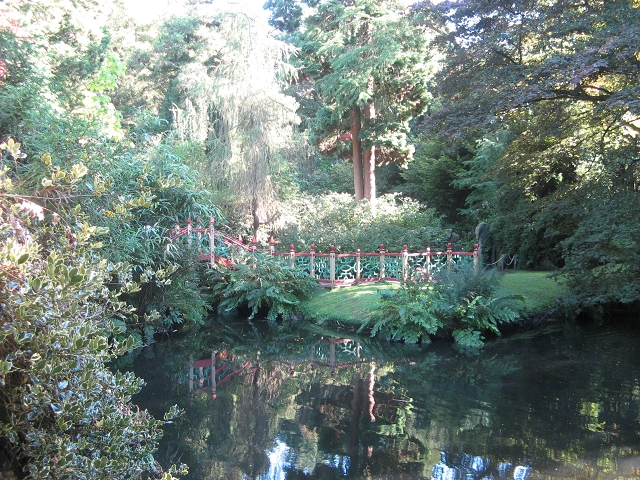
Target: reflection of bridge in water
x=332, y=353
x=211, y=372
x=345, y=346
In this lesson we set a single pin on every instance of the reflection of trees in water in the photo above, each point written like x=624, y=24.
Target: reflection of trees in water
x=562, y=411
x=322, y=402
x=473, y=467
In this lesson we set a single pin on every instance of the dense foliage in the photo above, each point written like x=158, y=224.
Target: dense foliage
x=64, y=413
x=546, y=93
x=462, y=303
x=262, y=284
x=112, y=132
x=348, y=225
x=603, y=254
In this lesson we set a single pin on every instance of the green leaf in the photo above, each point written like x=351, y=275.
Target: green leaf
x=79, y=170
x=5, y=367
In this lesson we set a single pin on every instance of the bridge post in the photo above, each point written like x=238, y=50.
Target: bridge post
x=272, y=245
x=332, y=266
x=428, y=254
x=212, y=242
x=312, y=261
x=358, y=265
x=292, y=255
x=382, y=272
x=405, y=263
x=254, y=244
x=189, y=230
x=476, y=262
x=449, y=256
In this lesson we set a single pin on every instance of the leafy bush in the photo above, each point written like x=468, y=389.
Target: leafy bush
x=602, y=257
x=77, y=157
x=136, y=193
x=462, y=304
x=261, y=282
x=63, y=413
x=339, y=220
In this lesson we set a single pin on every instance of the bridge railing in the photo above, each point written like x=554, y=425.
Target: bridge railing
x=333, y=269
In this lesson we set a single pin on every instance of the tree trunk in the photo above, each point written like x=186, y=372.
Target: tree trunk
x=356, y=147
x=369, y=166
x=256, y=215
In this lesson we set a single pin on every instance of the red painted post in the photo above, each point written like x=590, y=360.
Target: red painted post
x=292, y=255
x=189, y=229
x=476, y=262
x=449, y=256
x=332, y=265
x=254, y=244
x=405, y=263
x=199, y=234
x=382, y=273
x=272, y=245
x=312, y=261
x=358, y=267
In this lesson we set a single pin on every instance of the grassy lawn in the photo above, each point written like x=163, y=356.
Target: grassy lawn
x=346, y=304
x=539, y=291
x=353, y=304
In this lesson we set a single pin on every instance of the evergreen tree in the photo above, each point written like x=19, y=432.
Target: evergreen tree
x=366, y=62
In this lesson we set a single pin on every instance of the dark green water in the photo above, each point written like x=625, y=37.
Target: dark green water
x=564, y=403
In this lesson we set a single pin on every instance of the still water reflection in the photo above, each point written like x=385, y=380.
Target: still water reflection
x=298, y=404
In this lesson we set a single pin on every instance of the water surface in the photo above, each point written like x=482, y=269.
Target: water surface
x=299, y=404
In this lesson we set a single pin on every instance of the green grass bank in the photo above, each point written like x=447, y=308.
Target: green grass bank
x=352, y=305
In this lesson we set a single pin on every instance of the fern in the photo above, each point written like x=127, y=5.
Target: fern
x=461, y=304
x=261, y=283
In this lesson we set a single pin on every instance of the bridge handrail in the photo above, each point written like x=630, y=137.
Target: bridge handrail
x=398, y=266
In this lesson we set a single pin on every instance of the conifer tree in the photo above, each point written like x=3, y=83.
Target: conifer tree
x=367, y=62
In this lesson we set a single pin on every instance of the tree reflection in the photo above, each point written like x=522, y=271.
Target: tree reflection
x=305, y=405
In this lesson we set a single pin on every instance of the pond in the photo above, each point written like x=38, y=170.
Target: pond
x=294, y=404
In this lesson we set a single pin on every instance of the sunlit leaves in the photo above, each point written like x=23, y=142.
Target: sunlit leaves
x=261, y=283
x=463, y=304
x=56, y=339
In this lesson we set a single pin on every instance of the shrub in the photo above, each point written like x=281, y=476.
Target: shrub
x=63, y=413
x=136, y=193
x=339, y=220
x=602, y=257
x=461, y=304
x=261, y=282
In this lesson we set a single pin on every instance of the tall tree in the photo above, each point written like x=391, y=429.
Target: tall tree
x=561, y=81
x=368, y=62
x=564, y=74
x=232, y=105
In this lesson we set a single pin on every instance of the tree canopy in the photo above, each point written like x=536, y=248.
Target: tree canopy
x=556, y=85
x=368, y=65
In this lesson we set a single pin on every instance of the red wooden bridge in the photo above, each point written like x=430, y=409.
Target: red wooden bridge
x=330, y=269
